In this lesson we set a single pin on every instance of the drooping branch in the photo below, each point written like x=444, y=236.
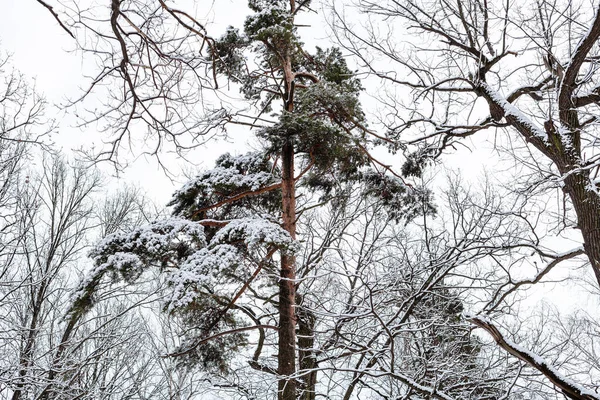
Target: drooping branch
x=216, y=335
x=224, y=311
x=570, y=388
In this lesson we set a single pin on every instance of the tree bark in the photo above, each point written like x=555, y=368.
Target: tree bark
x=587, y=208
x=287, y=285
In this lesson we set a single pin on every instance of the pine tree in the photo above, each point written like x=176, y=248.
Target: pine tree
x=232, y=224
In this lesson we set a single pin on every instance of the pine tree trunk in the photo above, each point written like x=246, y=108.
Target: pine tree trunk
x=287, y=285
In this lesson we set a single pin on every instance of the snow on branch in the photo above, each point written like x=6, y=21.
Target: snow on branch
x=221, y=257
x=179, y=243
x=254, y=232
x=431, y=392
x=201, y=268
x=151, y=239
x=570, y=388
x=232, y=177
x=126, y=254
x=509, y=111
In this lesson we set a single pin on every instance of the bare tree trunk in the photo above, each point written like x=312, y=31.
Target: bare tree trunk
x=587, y=207
x=306, y=355
x=57, y=361
x=287, y=285
x=27, y=354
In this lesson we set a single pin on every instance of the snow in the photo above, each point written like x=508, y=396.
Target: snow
x=538, y=361
x=249, y=171
x=200, y=269
x=118, y=261
x=153, y=238
x=156, y=243
x=227, y=177
x=254, y=232
x=541, y=362
x=511, y=110
x=566, y=136
x=127, y=252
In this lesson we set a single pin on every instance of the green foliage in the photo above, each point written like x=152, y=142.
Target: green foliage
x=401, y=202
x=416, y=161
x=330, y=102
x=228, y=54
x=273, y=25
x=326, y=122
x=231, y=176
x=330, y=65
x=206, y=319
x=203, y=267
x=322, y=142
x=447, y=338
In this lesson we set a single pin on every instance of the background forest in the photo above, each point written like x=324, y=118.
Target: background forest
x=296, y=199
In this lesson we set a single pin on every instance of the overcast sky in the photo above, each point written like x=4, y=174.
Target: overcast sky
x=42, y=51
x=46, y=55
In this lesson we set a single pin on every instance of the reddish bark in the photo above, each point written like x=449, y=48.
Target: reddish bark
x=287, y=284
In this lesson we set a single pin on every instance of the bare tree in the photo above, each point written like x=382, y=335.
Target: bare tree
x=385, y=299
x=524, y=71
x=22, y=125
x=23, y=128
x=23, y=117
x=153, y=76
x=47, y=354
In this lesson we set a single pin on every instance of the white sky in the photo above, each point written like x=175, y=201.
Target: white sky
x=43, y=52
